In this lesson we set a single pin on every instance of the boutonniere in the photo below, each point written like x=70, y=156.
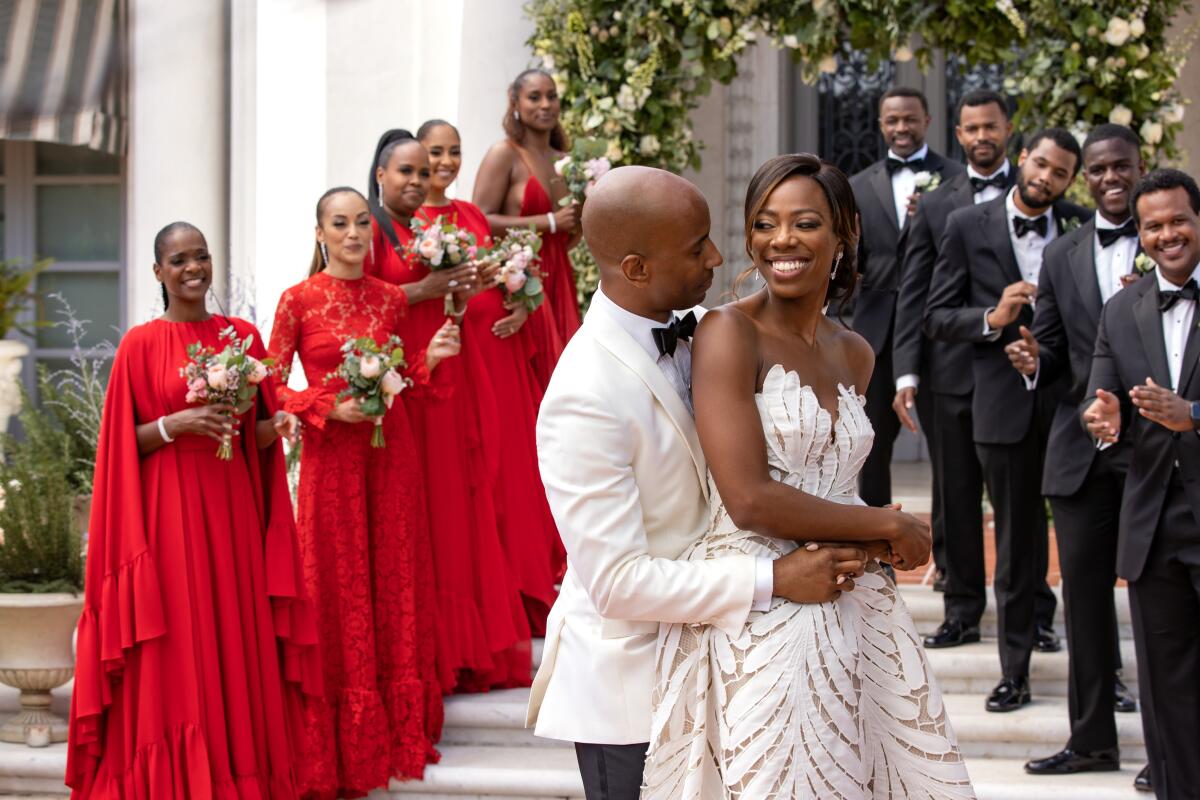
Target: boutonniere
x=1143, y=264
x=927, y=181
x=1070, y=223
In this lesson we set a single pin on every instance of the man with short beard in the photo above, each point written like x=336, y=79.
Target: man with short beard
x=1080, y=273
x=982, y=290
x=1144, y=390
x=936, y=377
x=886, y=193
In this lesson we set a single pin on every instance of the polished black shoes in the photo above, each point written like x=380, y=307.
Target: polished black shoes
x=1068, y=762
x=1009, y=695
x=952, y=633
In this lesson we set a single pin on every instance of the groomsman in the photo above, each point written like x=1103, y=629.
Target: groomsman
x=1081, y=271
x=935, y=376
x=983, y=287
x=1147, y=347
x=886, y=193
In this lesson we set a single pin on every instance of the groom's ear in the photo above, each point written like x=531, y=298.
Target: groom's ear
x=635, y=270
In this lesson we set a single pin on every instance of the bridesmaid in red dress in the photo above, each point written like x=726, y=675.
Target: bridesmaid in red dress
x=363, y=529
x=517, y=187
x=484, y=636
x=527, y=529
x=196, y=642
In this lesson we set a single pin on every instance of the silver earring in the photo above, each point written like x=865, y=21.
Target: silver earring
x=324, y=254
x=836, y=264
x=517, y=116
x=379, y=191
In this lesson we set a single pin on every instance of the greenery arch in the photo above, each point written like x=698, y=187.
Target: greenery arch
x=631, y=72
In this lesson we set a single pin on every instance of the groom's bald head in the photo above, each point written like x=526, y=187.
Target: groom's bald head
x=648, y=231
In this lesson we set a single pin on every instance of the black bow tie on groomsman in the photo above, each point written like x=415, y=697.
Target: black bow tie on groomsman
x=1108, y=236
x=1170, y=297
x=1024, y=225
x=680, y=328
x=894, y=164
x=999, y=180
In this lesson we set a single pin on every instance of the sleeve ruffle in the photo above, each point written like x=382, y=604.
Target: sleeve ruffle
x=311, y=405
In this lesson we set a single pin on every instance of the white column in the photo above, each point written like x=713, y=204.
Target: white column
x=178, y=162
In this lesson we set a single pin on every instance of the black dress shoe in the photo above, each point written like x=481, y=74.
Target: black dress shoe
x=1142, y=781
x=1123, y=700
x=952, y=633
x=939, y=580
x=1009, y=695
x=1047, y=641
x=1066, y=762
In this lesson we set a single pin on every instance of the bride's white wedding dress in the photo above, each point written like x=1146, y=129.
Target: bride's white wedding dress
x=822, y=701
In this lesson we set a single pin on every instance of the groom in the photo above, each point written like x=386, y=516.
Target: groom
x=627, y=483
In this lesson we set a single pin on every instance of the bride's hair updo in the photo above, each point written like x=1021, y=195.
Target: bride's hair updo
x=838, y=194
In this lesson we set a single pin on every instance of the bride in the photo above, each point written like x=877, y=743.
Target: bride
x=822, y=700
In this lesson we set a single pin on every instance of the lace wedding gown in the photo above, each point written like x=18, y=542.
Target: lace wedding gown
x=822, y=701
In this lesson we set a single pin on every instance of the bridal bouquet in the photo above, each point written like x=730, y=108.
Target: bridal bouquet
x=372, y=375
x=581, y=169
x=230, y=376
x=519, y=278
x=441, y=245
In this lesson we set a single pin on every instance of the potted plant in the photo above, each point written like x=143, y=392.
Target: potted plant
x=41, y=573
x=16, y=297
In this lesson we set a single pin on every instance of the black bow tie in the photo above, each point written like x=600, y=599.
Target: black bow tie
x=1170, y=297
x=680, y=328
x=1023, y=225
x=1110, y=235
x=894, y=164
x=999, y=180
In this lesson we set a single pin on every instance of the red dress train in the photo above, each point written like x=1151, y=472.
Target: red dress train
x=196, y=641
x=484, y=638
x=367, y=558
x=527, y=531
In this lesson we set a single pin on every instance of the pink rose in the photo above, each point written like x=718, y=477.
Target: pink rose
x=514, y=281
x=392, y=383
x=597, y=168
x=428, y=248
x=218, y=378
x=192, y=397
x=472, y=251
x=259, y=372
x=196, y=385
x=369, y=366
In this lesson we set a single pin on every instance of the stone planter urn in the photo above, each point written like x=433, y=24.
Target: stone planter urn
x=35, y=657
x=11, y=353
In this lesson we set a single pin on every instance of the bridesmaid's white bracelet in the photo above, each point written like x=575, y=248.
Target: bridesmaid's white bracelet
x=162, y=430
x=553, y=223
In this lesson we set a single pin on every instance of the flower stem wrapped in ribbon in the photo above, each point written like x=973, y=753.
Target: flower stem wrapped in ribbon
x=372, y=376
x=228, y=377
x=440, y=245
x=519, y=277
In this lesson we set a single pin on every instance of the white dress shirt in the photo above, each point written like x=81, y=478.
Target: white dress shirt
x=1027, y=249
x=904, y=183
x=1176, y=323
x=678, y=369
x=1114, y=261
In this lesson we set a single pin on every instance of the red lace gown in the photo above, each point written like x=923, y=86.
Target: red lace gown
x=560, y=313
x=367, y=558
x=196, y=642
x=484, y=638
x=527, y=531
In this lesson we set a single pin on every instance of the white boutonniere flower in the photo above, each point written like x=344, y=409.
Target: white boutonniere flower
x=927, y=181
x=1143, y=264
x=1070, y=223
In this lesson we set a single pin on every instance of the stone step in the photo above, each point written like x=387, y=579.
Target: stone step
x=32, y=770
x=975, y=669
x=927, y=610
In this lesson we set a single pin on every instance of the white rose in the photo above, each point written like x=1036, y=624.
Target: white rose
x=1173, y=114
x=548, y=62
x=1120, y=115
x=903, y=53
x=1152, y=132
x=649, y=145
x=1118, y=32
x=791, y=41
x=561, y=165
x=1136, y=27
x=625, y=98
x=1092, y=61
x=828, y=64
x=1140, y=74
x=613, y=152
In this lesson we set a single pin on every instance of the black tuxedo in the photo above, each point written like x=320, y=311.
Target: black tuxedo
x=1010, y=423
x=881, y=247
x=944, y=404
x=1159, y=546
x=1083, y=485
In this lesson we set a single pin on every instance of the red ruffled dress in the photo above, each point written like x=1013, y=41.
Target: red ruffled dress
x=527, y=531
x=484, y=638
x=196, y=642
x=365, y=540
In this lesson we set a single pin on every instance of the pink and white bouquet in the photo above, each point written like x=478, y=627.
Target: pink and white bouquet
x=581, y=168
x=372, y=375
x=230, y=377
x=519, y=277
x=440, y=245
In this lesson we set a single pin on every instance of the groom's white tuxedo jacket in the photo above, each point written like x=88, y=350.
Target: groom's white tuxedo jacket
x=627, y=484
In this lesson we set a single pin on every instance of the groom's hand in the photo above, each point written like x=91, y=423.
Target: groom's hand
x=818, y=575
x=911, y=540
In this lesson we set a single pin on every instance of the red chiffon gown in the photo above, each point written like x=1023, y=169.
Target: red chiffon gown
x=365, y=540
x=484, y=638
x=527, y=531
x=196, y=643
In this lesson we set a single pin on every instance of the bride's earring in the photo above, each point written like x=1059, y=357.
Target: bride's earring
x=836, y=264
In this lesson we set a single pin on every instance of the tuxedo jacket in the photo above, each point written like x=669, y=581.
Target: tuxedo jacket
x=1065, y=321
x=944, y=366
x=881, y=245
x=627, y=484
x=974, y=266
x=1129, y=347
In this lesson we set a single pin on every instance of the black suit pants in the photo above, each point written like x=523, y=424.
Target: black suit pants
x=1085, y=525
x=1165, y=601
x=959, y=481
x=611, y=771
